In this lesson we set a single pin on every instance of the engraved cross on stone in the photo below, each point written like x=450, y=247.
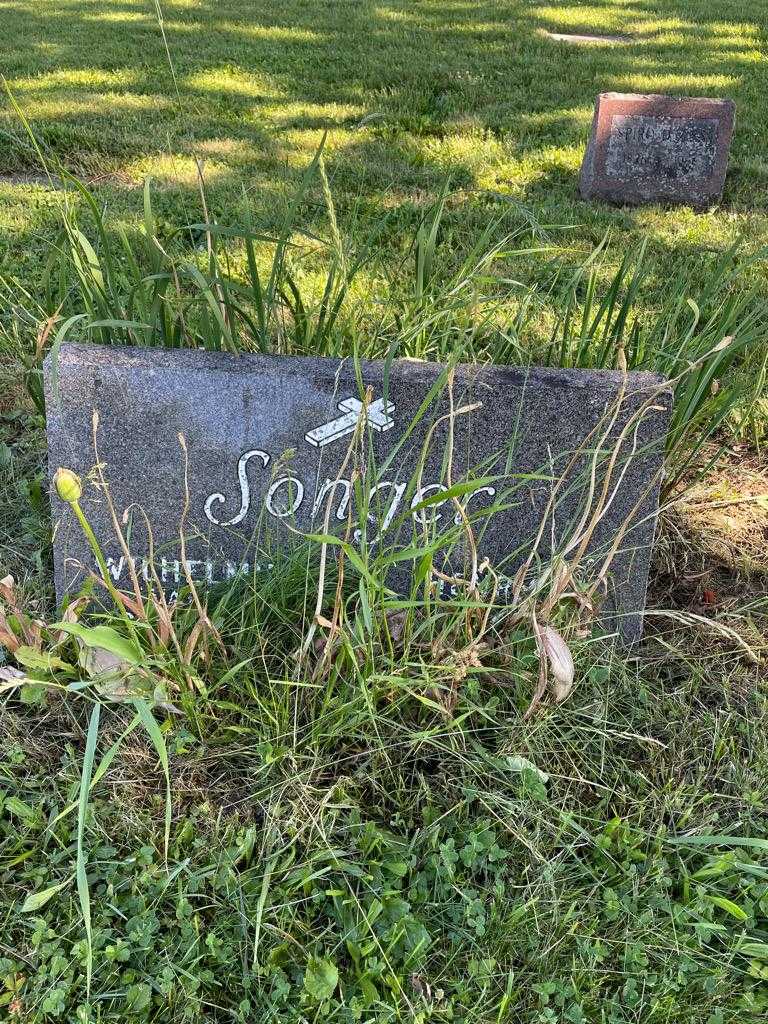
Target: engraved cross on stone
x=377, y=415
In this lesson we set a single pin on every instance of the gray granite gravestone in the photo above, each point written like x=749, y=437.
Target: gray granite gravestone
x=274, y=444
x=646, y=149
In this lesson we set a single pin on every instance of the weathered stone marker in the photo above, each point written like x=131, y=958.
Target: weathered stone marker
x=647, y=149
x=271, y=445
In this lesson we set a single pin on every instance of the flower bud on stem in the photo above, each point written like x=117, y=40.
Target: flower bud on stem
x=69, y=488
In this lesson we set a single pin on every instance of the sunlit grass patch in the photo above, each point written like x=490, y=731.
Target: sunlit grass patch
x=63, y=79
x=229, y=81
x=275, y=33
x=297, y=113
x=98, y=106
x=176, y=170
x=693, y=82
x=120, y=18
x=728, y=516
x=233, y=151
x=614, y=17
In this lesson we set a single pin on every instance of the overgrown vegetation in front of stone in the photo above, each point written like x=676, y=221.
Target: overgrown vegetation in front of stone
x=375, y=831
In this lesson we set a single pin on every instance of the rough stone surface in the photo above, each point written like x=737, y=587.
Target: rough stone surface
x=647, y=149
x=267, y=435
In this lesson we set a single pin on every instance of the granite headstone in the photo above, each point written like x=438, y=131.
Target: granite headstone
x=271, y=443
x=647, y=149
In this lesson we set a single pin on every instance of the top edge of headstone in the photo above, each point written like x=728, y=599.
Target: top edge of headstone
x=671, y=101
x=326, y=367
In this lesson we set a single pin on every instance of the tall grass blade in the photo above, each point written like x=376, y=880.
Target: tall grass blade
x=82, y=811
x=158, y=741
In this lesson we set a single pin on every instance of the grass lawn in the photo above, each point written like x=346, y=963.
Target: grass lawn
x=409, y=93
x=199, y=826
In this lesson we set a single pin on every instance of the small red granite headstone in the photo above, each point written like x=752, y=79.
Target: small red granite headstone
x=649, y=149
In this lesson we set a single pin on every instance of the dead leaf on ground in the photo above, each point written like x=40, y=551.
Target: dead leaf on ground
x=556, y=667
x=562, y=671
x=31, y=630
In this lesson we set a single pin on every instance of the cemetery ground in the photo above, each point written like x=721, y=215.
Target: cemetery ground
x=203, y=832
